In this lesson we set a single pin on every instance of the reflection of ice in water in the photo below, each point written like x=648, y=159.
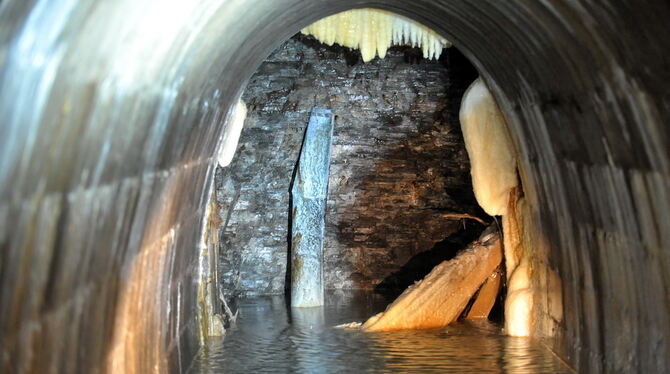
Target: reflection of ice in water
x=271, y=338
x=308, y=326
x=306, y=319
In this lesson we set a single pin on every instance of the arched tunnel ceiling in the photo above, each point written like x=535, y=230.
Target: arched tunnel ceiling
x=112, y=112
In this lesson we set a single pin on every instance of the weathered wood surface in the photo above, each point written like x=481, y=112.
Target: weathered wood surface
x=486, y=297
x=442, y=295
x=309, y=192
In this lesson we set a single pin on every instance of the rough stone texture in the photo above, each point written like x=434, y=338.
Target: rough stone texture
x=398, y=164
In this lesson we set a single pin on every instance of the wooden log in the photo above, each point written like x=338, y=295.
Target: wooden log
x=486, y=297
x=441, y=296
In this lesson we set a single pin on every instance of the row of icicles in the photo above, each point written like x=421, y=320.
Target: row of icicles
x=374, y=31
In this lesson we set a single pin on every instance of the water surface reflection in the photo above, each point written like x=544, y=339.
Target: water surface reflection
x=269, y=337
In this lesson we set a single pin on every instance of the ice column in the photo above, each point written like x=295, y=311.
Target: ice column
x=309, y=192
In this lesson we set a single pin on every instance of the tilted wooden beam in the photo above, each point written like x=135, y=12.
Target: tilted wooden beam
x=441, y=296
x=486, y=297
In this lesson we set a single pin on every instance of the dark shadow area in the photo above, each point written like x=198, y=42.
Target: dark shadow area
x=420, y=265
x=461, y=73
x=408, y=170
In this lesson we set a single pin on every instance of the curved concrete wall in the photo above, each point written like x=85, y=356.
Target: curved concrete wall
x=112, y=111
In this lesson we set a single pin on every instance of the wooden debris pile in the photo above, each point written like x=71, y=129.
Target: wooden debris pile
x=471, y=279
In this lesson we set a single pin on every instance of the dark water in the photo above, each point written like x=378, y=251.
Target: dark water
x=269, y=338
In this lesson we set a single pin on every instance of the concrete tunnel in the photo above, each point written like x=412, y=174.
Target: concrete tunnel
x=113, y=115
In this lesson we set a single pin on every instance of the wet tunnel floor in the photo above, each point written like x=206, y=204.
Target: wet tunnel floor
x=271, y=338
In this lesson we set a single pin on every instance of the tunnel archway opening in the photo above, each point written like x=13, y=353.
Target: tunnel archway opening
x=303, y=73
x=112, y=111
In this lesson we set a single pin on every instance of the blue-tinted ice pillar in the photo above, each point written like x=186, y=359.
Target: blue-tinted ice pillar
x=309, y=192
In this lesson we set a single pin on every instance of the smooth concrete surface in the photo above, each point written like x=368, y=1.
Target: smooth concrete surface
x=111, y=112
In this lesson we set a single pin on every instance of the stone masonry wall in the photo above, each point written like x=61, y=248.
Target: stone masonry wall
x=398, y=165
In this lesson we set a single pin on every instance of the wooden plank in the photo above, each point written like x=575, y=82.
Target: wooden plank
x=441, y=296
x=486, y=297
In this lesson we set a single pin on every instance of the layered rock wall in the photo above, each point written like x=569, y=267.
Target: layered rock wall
x=398, y=163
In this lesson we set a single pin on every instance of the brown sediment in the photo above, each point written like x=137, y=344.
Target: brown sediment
x=512, y=232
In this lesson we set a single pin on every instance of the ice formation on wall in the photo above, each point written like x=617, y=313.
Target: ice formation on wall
x=492, y=159
x=232, y=134
x=519, y=301
x=374, y=31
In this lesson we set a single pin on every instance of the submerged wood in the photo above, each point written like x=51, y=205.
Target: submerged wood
x=441, y=296
x=486, y=297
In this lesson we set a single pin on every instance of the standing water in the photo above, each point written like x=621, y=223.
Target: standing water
x=271, y=338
